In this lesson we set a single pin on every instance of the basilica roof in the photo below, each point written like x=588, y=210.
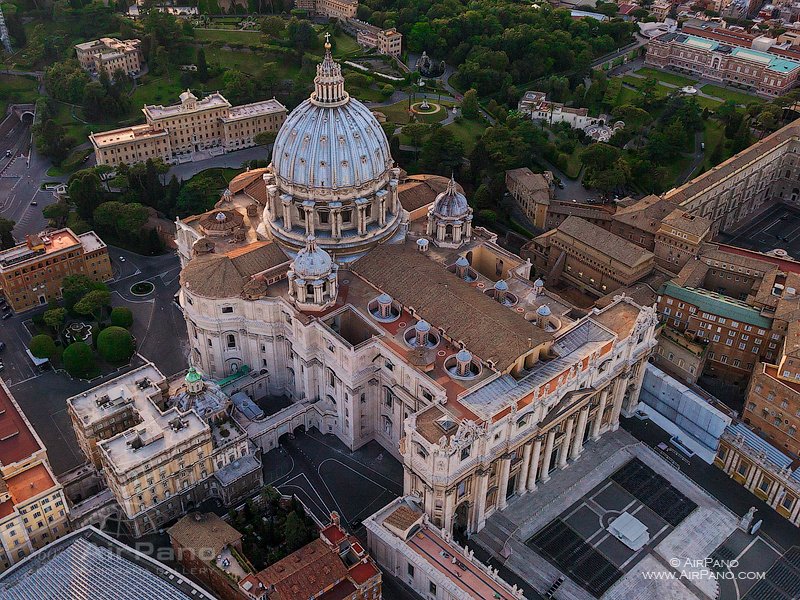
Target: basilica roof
x=488, y=329
x=330, y=143
x=224, y=275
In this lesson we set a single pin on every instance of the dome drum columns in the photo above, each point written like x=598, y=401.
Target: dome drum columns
x=450, y=218
x=313, y=281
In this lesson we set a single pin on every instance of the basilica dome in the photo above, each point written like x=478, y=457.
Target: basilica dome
x=331, y=146
x=451, y=203
x=332, y=175
x=312, y=262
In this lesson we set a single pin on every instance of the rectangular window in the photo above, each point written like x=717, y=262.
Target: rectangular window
x=410, y=570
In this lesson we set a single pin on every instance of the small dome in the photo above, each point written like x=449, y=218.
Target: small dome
x=422, y=243
x=312, y=262
x=464, y=355
x=539, y=283
x=501, y=286
x=451, y=203
x=462, y=261
x=192, y=376
x=543, y=311
x=422, y=326
x=220, y=217
x=384, y=299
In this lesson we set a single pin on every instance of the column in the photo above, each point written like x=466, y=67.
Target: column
x=774, y=493
x=598, y=418
x=619, y=394
x=408, y=480
x=301, y=290
x=318, y=293
x=522, y=478
x=480, y=499
x=440, y=231
x=457, y=233
x=449, y=504
x=533, y=470
x=362, y=220
x=752, y=477
x=505, y=467
x=548, y=454
x=577, y=446
x=564, y=455
x=309, y=220
x=795, y=511
x=633, y=398
x=468, y=231
x=287, y=216
x=729, y=459
x=382, y=211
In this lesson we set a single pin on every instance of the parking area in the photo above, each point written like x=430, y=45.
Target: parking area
x=777, y=228
x=326, y=476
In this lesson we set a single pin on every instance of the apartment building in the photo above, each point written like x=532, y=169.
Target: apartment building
x=33, y=508
x=589, y=258
x=406, y=544
x=175, y=133
x=385, y=41
x=732, y=58
x=111, y=55
x=31, y=273
x=333, y=9
x=532, y=191
x=163, y=445
x=736, y=301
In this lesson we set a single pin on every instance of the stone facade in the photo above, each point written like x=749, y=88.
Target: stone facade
x=176, y=132
x=31, y=273
x=532, y=191
x=111, y=55
x=164, y=445
x=730, y=58
x=33, y=507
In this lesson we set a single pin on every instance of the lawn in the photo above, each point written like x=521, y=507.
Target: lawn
x=245, y=37
x=468, y=131
x=573, y=166
x=638, y=83
x=343, y=45
x=17, y=90
x=156, y=90
x=713, y=135
x=666, y=77
x=398, y=113
x=726, y=94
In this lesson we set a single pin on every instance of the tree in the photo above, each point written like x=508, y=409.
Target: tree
x=55, y=317
x=78, y=359
x=442, y=153
x=469, y=105
x=197, y=195
x=93, y=303
x=295, y=531
x=121, y=316
x=85, y=192
x=202, y=65
x=273, y=26
x=6, y=237
x=75, y=287
x=302, y=34
x=42, y=346
x=56, y=213
x=265, y=138
x=115, y=344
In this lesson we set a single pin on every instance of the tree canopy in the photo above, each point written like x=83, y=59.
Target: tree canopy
x=42, y=346
x=115, y=344
x=78, y=359
x=121, y=316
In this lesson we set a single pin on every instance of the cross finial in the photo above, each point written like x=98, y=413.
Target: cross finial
x=327, y=38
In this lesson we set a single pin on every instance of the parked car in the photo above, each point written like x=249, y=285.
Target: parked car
x=6, y=316
x=121, y=259
x=34, y=203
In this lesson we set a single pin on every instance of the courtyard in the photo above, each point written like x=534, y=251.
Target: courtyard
x=776, y=228
x=327, y=476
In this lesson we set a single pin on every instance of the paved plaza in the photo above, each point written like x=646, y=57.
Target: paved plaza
x=326, y=476
x=777, y=228
x=615, y=474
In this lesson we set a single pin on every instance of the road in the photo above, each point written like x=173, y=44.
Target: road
x=158, y=327
x=232, y=159
x=21, y=175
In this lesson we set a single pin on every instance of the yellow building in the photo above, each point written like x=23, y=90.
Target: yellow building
x=110, y=55
x=175, y=133
x=33, y=509
x=159, y=457
x=31, y=273
x=532, y=191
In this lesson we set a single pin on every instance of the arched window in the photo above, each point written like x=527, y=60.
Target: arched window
x=387, y=425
